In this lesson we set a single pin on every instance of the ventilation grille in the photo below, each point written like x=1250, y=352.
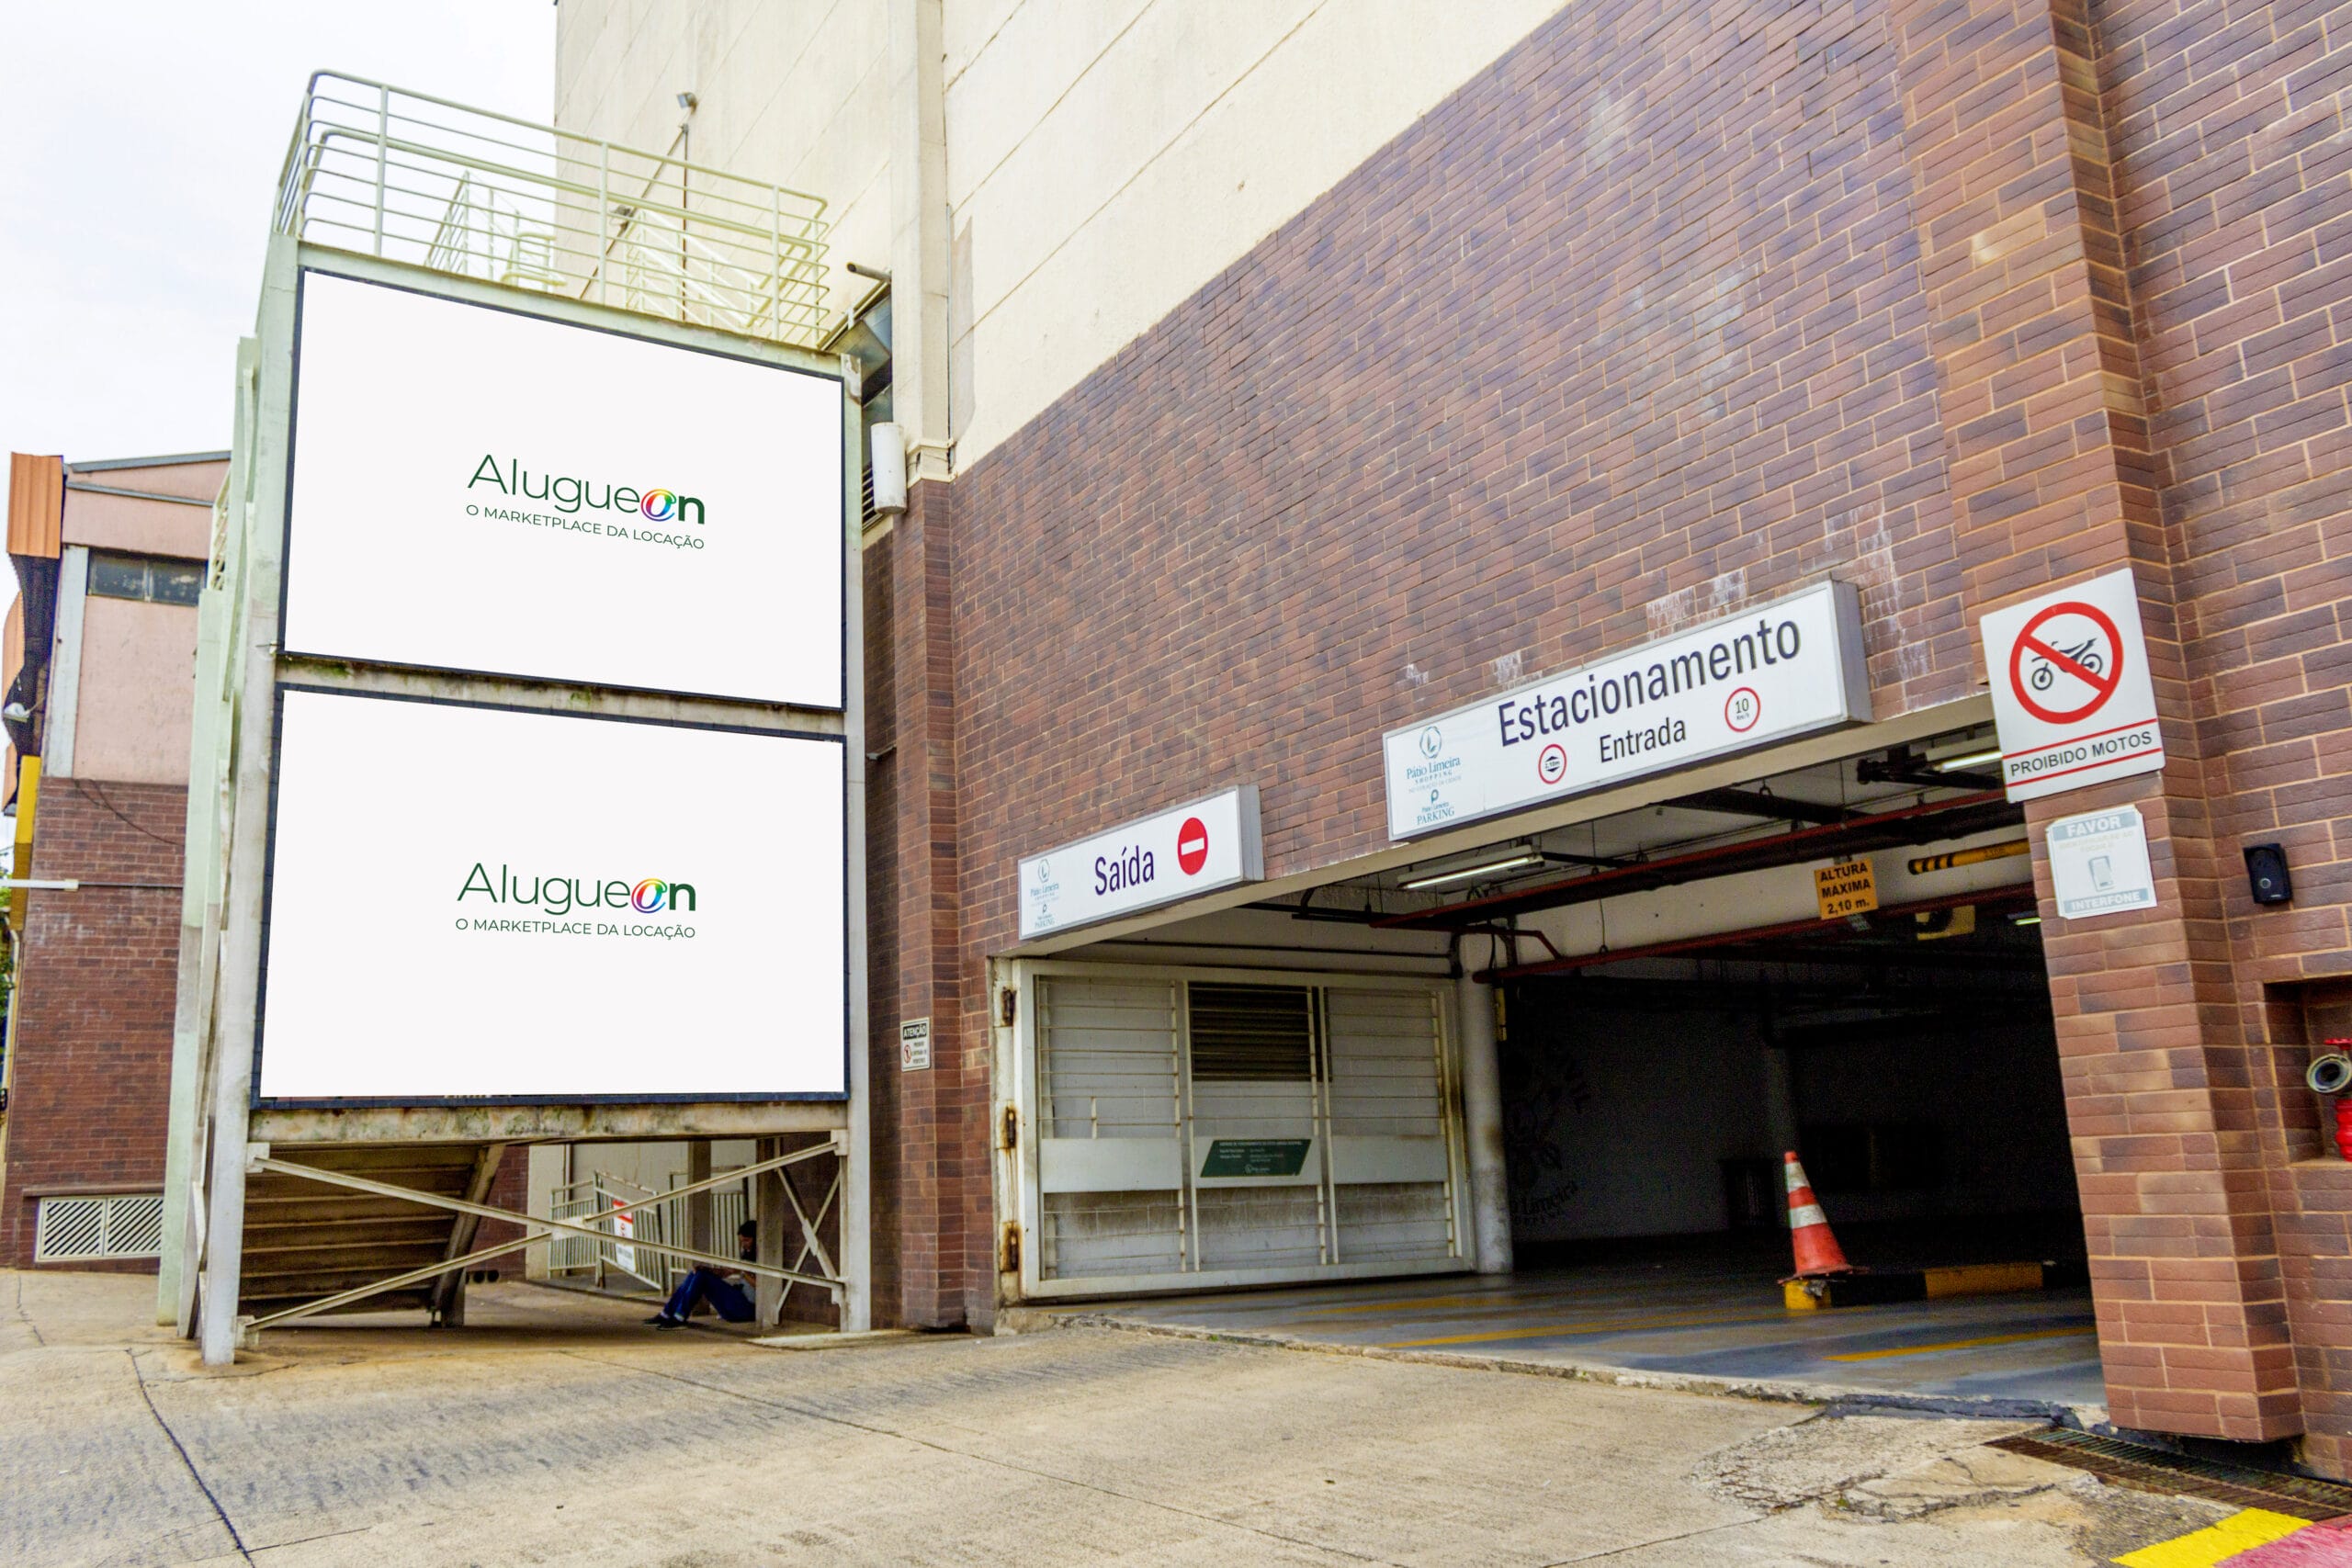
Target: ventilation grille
x=77, y=1229
x=1251, y=1034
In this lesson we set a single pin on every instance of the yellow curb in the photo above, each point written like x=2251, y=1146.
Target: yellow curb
x=2239, y=1532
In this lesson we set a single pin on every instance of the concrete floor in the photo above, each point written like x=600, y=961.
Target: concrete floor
x=1705, y=1313
x=556, y=1431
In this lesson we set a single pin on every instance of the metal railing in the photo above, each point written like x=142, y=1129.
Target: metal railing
x=389, y=172
x=662, y=1221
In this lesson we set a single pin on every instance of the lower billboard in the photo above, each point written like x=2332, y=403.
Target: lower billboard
x=478, y=903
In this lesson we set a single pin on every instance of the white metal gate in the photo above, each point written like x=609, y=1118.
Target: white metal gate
x=1199, y=1128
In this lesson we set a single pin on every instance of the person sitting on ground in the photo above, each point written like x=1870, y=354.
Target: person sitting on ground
x=731, y=1301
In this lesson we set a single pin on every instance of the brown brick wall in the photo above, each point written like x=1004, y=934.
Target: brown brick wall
x=88, y=1103
x=2233, y=179
x=1672, y=309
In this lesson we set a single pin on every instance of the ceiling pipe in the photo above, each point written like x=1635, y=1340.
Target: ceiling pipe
x=1926, y=823
x=2019, y=895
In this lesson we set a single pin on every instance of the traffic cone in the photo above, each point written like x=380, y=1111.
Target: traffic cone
x=1817, y=1253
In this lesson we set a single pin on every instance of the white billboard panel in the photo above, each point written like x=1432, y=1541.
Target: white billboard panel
x=474, y=902
x=482, y=491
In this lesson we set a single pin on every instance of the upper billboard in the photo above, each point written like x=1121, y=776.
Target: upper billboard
x=1792, y=667
x=482, y=903
x=482, y=491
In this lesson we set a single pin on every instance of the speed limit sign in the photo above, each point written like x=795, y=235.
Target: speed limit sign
x=2071, y=694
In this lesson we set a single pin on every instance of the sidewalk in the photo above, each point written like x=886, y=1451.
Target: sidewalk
x=556, y=1431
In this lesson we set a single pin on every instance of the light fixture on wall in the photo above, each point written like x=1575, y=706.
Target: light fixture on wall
x=1962, y=755
x=889, y=467
x=1516, y=859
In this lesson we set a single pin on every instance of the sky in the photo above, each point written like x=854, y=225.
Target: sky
x=140, y=144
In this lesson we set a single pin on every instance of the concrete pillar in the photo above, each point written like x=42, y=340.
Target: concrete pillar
x=1780, y=1099
x=699, y=1210
x=225, y=1230
x=1482, y=1117
x=769, y=1214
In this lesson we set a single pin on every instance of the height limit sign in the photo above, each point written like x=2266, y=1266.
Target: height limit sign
x=2071, y=692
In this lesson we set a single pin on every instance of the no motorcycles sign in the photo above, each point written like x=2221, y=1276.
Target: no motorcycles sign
x=2071, y=694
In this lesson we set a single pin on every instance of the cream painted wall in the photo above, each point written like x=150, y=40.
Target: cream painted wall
x=1105, y=158
x=790, y=91
x=134, y=703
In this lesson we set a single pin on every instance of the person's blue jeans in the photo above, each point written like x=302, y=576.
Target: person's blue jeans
x=725, y=1297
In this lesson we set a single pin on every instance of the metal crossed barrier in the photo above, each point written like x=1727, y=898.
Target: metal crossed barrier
x=658, y=1220
x=385, y=172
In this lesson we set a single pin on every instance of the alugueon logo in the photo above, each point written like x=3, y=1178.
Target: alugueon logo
x=561, y=895
x=568, y=494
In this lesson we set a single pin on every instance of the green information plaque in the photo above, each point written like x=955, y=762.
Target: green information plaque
x=1256, y=1156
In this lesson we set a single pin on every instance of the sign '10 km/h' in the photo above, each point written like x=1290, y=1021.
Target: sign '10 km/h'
x=2071, y=694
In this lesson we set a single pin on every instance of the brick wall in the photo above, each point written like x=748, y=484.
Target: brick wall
x=89, y=1105
x=2233, y=179
x=1671, y=309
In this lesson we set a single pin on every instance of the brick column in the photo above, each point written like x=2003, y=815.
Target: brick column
x=931, y=1173
x=2050, y=477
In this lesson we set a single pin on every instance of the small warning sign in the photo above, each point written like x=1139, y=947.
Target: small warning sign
x=1848, y=889
x=914, y=1045
x=2071, y=692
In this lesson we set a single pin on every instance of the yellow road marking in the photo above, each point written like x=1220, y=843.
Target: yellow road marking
x=1963, y=1344
x=2239, y=1532
x=1549, y=1330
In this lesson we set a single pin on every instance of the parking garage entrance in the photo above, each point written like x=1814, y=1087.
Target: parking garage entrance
x=1842, y=959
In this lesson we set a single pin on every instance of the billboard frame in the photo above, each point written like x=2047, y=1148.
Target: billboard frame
x=257, y=1101
x=216, y=1124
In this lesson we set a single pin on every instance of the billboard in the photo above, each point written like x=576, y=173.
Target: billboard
x=476, y=902
x=477, y=490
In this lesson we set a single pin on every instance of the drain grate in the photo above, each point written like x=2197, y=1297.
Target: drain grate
x=2154, y=1469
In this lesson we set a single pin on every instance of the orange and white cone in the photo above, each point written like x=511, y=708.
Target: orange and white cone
x=1817, y=1253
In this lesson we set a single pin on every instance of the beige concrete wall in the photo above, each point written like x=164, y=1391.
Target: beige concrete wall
x=1105, y=158
x=792, y=92
x=136, y=696
x=144, y=527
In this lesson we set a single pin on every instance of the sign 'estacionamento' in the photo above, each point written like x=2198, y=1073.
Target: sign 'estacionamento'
x=474, y=902
x=482, y=491
x=1790, y=668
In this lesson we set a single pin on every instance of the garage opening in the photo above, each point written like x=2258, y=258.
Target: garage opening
x=1914, y=1066
x=1843, y=960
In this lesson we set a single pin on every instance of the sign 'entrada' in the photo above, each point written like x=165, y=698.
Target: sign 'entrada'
x=1178, y=853
x=1791, y=668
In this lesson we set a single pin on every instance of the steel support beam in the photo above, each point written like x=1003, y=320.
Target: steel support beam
x=258, y=1160
x=449, y=1296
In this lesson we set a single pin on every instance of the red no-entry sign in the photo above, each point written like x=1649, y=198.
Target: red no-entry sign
x=2066, y=662
x=1192, y=846
x=2071, y=694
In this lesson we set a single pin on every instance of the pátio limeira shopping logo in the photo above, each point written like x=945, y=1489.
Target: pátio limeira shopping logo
x=566, y=898
x=577, y=502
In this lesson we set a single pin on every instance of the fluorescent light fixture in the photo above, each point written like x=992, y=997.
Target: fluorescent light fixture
x=2025, y=919
x=1515, y=860
x=1966, y=759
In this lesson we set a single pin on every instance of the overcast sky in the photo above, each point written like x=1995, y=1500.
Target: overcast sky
x=139, y=143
